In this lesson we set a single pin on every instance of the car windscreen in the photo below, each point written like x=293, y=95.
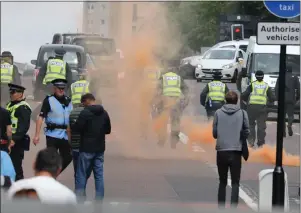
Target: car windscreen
x=269, y=63
x=220, y=54
x=71, y=57
x=243, y=47
x=97, y=46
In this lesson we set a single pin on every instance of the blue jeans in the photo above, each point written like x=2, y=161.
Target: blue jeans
x=88, y=162
x=75, y=154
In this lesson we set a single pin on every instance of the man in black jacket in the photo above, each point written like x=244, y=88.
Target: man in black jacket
x=93, y=124
x=292, y=95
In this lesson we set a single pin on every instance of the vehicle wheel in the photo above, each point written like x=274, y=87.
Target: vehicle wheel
x=234, y=76
x=198, y=80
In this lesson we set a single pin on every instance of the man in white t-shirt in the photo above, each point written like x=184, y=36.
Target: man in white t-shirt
x=44, y=186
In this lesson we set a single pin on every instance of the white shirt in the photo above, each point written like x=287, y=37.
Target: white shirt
x=47, y=188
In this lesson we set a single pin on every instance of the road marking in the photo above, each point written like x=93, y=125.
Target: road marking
x=297, y=133
x=242, y=194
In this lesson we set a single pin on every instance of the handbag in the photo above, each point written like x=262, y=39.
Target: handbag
x=244, y=147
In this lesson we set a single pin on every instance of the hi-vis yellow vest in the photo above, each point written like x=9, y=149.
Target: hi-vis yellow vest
x=216, y=91
x=171, y=85
x=259, y=93
x=12, y=110
x=78, y=89
x=56, y=68
x=6, y=73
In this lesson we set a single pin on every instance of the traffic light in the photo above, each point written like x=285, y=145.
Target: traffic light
x=237, y=31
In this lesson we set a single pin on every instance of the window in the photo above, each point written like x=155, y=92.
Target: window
x=229, y=46
x=90, y=8
x=220, y=54
x=135, y=12
x=133, y=28
x=72, y=58
x=103, y=6
x=102, y=21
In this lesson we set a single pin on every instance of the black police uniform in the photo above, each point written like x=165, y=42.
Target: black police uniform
x=20, y=137
x=61, y=145
x=292, y=96
x=59, y=54
x=257, y=113
x=215, y=105
x=16, y=80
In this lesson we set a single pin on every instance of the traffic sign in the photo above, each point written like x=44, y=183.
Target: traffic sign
x=283, y=9
x=278, y=33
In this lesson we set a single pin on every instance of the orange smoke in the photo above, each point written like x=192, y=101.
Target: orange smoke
x=202, y=134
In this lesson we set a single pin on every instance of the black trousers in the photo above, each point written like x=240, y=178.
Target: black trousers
x=226, y=160
x=211, y=110
x=257, y=116
x=17, y=156
x=63, y=147
x=289, y=111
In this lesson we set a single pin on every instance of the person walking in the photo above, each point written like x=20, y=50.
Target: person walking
x=230, y=129
x=93, y=124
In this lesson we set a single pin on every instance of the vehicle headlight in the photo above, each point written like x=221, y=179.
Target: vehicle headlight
x=228, y=66
x=199, y=66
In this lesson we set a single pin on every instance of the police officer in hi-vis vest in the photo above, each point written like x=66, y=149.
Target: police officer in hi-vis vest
x=20, y=113
x=9, y=74
x=213, y=95
x=54, y=68
x=79, y=88
x=55, y=111
x=173, y=98
x=258, y=95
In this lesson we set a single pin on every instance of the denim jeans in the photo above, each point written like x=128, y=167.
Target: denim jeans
x=88, y=162
x=75, y=154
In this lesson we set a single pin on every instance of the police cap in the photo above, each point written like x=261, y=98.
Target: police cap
x=259, y=74
x=15, y=87
x=217, y=74
x=6, y=54
x=60, y=52
x=59, y=83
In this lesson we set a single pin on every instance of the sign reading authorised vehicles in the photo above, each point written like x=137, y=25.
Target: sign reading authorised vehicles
x=278, y=33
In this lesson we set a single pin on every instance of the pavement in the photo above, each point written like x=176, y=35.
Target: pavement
x=136, y=170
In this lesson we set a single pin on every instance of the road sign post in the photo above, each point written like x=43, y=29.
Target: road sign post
x=283, y=10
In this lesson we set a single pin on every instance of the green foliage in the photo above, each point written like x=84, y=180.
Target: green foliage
x=197, y=22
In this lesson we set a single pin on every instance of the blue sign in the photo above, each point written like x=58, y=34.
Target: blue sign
x=283, y=9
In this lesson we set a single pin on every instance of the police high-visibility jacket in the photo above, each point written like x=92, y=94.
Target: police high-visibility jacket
x=259, y=93
x=7, y=73
x=56, y=68
x=216, y=91
x=171, y=85
x=78, y=89
x=58, y=115
x=12, y=109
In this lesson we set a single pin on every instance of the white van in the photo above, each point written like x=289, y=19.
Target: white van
x=266, y=58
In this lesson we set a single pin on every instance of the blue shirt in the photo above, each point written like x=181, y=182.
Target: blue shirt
x=7, y=167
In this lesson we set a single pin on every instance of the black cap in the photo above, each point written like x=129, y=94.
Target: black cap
x=259, y=74
x=60, y=83
x=16, y=87
x=60, y=52
x=6, y=54
x=217, y=74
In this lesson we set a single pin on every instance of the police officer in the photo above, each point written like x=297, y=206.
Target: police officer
x=20, y=113
x=54, y=68
x=292, y=95
x=9, y=74
x=79, y=88
x=258, y=95
x=173, y=94
x=55, y=110
x=213, y=95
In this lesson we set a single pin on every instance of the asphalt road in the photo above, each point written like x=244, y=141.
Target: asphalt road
x=137, y=170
